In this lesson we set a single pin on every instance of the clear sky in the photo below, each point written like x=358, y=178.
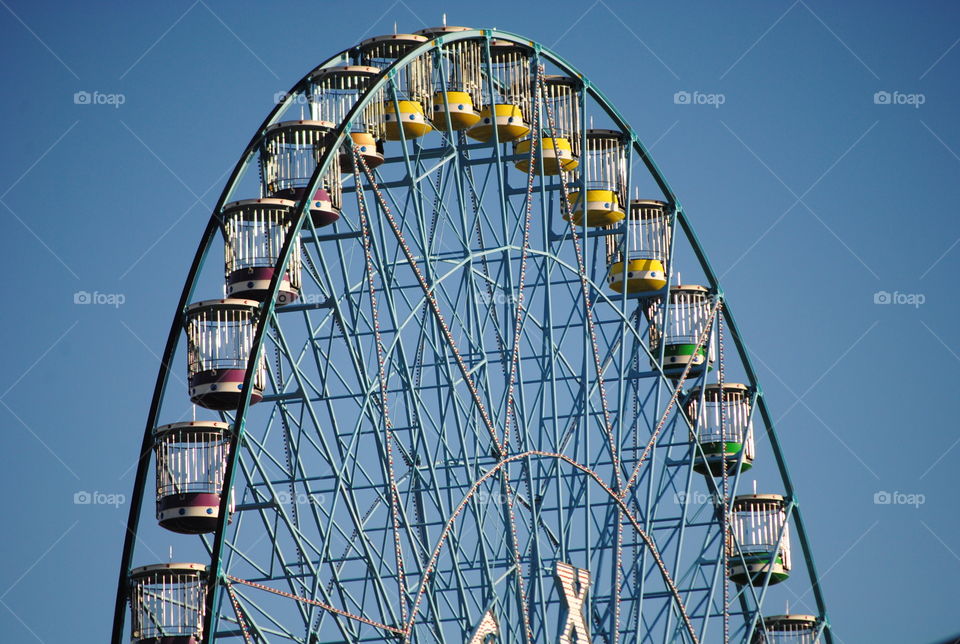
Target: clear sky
x=817, y=157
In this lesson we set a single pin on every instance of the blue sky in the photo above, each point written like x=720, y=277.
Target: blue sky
x=817, y=157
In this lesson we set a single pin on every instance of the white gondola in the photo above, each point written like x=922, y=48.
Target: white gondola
x=688, y=316
x=757, y=522
x=722, y=444
x=333, y=93
x=403, y=116
x=507, y=111
x=787, y=629
x=604, y=166
x=254, y=232
x=167, y=603
x=191, y=459
x=289, y=155
x=219, y=339
x=639, y=261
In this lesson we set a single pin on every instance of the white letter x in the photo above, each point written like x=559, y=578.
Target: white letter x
x=573, y=583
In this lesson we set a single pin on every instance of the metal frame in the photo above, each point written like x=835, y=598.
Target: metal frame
x=458, y=159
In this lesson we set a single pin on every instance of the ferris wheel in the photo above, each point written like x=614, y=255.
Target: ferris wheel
x=448, y=385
